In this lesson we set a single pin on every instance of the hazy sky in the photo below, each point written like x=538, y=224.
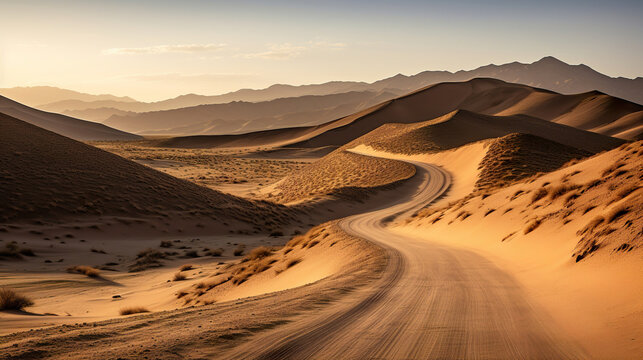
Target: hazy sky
x=157, y=49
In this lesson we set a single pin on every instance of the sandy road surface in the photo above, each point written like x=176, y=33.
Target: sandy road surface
x=433, y=302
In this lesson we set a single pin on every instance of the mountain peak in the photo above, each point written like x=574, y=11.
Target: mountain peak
x=550, y=60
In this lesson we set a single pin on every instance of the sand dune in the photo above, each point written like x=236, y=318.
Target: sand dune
x=61, y=124
x=238, y=117
x=571, y=238
x=45, y=175
x=548, y=73
x=483, y=96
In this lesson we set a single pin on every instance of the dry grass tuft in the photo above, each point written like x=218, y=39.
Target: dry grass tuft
x=186, y=267
x=85, y=270
x=259, y=253
x=179, y=276
x=133, y=310
x=11, y=300
x=532, y=226
x=616, y=213
x=292, y=263
x=539, y=194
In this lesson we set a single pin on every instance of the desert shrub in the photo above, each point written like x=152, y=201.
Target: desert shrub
x=626, y=191
x=192, y=254
x=215, y=252
x=532, y=226
x=133, y=310
x=85, y=270
x=616, y=213
x=186, y=267
x=146, y=259
x=560, y=190
x=591, y=225
x=11, y=300
x=292, y=263
x=539, y=194
x=238, y=251
x=259, y=253
x=276, y=234
x=98, y=251
x=12, y=250
x=166, y=244
x=179, y=276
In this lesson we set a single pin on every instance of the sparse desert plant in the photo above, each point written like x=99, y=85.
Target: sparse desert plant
x=98, y=251
x=146, y=259
x=292, y=263
x=166, y=244
x=186, y=267
x=560, y=190
x=85, y=270
x=276, y=234
x=12, y=250
x=192, y=254
x=133, y=310
x=539, y=194
x=179, y=276
x=532, y=226
x=215, y=252
x=259, y=253
x=591, y=225
x=238, y=251
x=616, y=213
x=11, y=300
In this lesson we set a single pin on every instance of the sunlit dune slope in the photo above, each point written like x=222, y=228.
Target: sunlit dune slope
x=590, y=111
x=461, y=127
x=343, y=175
x=61, y=124
x=47, y=176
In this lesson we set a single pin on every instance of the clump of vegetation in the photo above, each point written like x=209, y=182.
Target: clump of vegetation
x=12, y=250
x=560, y=190
x=133, y=310
x=85, y=270
x=147, y=259
x=186, y=267
x=166, y=244
x=238, y=251
x=292, y=263
x=11, y=300
x=214, y=252
x=616, y=213
x=259, y=253
x=532, y=226
x=539, y=194
x=179, y=276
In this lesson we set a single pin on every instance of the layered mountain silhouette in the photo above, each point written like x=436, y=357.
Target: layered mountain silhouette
x=547, y=73
x=483, y=103
x=61, y=124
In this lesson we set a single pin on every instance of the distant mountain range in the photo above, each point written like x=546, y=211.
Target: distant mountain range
x=61, y=124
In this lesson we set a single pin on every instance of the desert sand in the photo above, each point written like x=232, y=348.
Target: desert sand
x=480, y=219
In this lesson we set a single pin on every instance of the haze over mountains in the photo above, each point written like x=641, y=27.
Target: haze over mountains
x=61, y=124
x=548, y=73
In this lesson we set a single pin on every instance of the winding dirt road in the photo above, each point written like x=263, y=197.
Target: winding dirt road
x=433, y=302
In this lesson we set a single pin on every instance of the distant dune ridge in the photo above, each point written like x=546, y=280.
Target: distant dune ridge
x=47, y=176
x=547, y=73
x=237, y=116
x=485, y=107
x=61, y=124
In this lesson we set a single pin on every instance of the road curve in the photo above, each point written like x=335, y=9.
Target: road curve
x=432, y=302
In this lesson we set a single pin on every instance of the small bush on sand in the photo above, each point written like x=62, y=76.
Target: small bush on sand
x=238, y=251
x=10, y=300
x=166, y=244
x=259, y=253
x=539, y=194
x=560, y=190
x=215, y=252
x=292, y=263
x=146, y=259
x=616, y=213
x=179, y=276
x=186, y=267
x=12, y=250
x=133, y=310
x=85, y=270
x=532, y=226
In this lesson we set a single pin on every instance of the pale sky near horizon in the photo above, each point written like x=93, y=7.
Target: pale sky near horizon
x=151, y=50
